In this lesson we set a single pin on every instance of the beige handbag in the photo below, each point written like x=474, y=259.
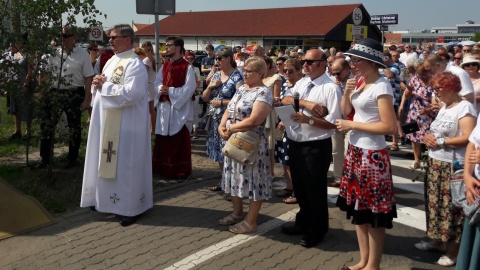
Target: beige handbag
x=242, y=146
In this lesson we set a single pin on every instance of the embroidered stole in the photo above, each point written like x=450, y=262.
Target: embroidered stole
x=113, y=118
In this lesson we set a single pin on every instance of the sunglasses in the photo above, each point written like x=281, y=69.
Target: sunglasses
x=67, y=35
x=309, y=62
x=337, y=73
x=115, y=37
x=95, y=50
x=457, y=58
x=470, y=65
x=279, y=64
x=465, y=50
x=219, y=58
x=288, y=71
x=190, y=58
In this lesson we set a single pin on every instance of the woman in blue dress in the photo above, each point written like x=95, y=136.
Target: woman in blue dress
x=218, y=93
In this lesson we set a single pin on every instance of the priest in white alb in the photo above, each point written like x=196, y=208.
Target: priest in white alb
x=118, y=167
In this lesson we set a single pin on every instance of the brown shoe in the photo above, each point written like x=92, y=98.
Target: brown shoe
x=334, y=184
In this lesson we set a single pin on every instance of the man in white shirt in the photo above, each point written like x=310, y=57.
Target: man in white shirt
x=408, y=53
x=341, y=72
x=436, y=64
x=311, y=147
x=70, y=71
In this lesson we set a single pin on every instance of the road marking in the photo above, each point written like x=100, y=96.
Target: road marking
x=232, y=242
x=406, y=215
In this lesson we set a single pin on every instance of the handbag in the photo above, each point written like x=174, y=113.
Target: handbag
x=458, y=189
x=279, y=133
x=205, y=122
x=242, y=146
x=410, y=127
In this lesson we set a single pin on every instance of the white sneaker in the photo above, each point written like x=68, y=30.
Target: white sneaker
x=446, y=261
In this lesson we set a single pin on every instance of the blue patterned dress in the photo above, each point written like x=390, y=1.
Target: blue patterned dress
x=252, y=181
x=224, y=91
x=281, y=147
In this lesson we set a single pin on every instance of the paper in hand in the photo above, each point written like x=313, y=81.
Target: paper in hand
x=284, y=113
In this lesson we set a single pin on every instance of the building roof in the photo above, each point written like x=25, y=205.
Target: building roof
x=139, y=26
x=294, y=21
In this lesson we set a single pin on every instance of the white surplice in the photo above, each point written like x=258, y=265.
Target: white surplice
x=171, y=117
x=130, y=193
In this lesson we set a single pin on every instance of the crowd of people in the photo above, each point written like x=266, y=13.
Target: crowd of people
x=347, y=104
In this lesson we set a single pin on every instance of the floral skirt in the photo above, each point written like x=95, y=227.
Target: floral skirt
x=444, y=220
x=366, y=188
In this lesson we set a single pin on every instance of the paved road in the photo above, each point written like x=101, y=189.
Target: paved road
x=182, y=232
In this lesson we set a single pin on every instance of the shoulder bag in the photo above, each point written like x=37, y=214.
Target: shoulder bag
x=457, y=191
x=242, y=146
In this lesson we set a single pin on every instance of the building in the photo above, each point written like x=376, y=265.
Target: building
x=305, y=27
x=441, y=36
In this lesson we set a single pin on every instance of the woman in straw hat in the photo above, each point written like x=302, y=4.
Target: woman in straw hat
x=366, y=189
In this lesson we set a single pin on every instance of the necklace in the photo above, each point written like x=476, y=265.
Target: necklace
x=453, y=103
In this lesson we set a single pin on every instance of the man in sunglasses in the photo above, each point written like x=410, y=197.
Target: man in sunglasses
x=436, y=64
x=70, y=72
x=341, y=72
x=311, y=146
x=408, y=53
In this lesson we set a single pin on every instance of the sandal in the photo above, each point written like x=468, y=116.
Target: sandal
x=230, y=220
x=285, y=192
x=415, y=165
x=215, y=188
x=394, y=147
x=290, y=200
x=243, y=227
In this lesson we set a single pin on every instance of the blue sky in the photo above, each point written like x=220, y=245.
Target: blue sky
x=413, y=14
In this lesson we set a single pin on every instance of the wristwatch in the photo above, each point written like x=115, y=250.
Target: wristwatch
x=311, y=121
x=441, y=142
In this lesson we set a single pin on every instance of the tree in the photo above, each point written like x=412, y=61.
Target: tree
x=34, y=24
x=476, y=38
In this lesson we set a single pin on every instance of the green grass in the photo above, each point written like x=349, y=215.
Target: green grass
x=58, y=191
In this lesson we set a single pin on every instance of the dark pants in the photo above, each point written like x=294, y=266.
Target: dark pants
x=309, y=163
x=55, y=102
x=203, y=103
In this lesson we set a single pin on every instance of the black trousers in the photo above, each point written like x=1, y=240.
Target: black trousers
x=56, y=102
x=309, y=163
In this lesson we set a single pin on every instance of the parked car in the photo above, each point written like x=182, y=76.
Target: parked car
x=198, y=61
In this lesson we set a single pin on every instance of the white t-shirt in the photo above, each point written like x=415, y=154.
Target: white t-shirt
x=151, y=78
x=446, y=125
x=475, y=139
x=366, y=111
x=240, y=65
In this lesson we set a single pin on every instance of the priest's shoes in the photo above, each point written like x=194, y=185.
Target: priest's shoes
x=127, y=221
